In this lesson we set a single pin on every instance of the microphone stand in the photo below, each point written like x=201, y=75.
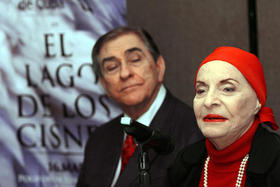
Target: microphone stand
x=144, y=167
x=146, y=139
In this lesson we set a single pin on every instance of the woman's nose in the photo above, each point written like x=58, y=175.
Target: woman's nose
x=211, y=99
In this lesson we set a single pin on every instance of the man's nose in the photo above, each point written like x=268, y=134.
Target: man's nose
x=125, y=71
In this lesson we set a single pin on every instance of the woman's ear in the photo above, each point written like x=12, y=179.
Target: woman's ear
x=258, y=107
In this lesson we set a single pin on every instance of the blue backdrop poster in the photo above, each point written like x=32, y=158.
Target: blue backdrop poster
x=50, y=100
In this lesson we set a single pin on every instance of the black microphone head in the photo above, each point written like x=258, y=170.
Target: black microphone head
x=141, y=133
x=162, y=144
x=148, y=137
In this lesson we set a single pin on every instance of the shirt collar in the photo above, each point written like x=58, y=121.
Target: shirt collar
x=148, y=116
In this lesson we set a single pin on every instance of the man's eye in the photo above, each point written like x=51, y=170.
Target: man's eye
x=111, y=67
x=134, y=59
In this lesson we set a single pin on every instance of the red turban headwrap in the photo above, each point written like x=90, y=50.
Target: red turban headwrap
x=250, y=67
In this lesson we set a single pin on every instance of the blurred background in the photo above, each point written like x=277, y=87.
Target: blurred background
x=50, y=100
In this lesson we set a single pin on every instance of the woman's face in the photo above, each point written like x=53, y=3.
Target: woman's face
x=225, y=104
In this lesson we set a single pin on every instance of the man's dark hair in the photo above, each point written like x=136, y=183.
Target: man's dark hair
x=141, y=33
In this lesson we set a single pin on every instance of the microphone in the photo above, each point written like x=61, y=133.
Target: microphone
x=147, y=136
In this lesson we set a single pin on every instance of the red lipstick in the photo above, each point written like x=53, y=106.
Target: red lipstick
x=214, y=118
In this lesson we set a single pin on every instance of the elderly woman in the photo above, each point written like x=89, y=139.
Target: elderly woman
x=229, y=105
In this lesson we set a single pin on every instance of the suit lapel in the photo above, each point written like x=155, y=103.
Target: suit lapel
x=111, y=152
x=163, y=117
x=130, y=174
x=162, y=121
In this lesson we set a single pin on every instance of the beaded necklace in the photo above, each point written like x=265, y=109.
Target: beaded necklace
x=240, y=171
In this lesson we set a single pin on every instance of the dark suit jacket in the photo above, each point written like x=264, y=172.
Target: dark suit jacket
x=103, y=148
x=263, y=169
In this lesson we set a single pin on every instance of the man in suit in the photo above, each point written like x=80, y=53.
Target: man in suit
x=131, y=70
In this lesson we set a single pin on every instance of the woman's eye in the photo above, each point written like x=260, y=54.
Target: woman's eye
x=229, y=89
x=200, y=91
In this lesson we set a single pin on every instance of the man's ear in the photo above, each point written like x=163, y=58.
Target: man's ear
x=161, y=67
x=258, y=106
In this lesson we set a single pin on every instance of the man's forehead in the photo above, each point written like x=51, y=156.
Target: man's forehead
x=122, y=44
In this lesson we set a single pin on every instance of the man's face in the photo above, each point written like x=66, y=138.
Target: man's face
x=225, y=104
x=130, y=75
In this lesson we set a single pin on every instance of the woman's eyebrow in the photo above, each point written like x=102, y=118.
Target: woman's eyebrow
x=200, y=83
x=228, y=80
